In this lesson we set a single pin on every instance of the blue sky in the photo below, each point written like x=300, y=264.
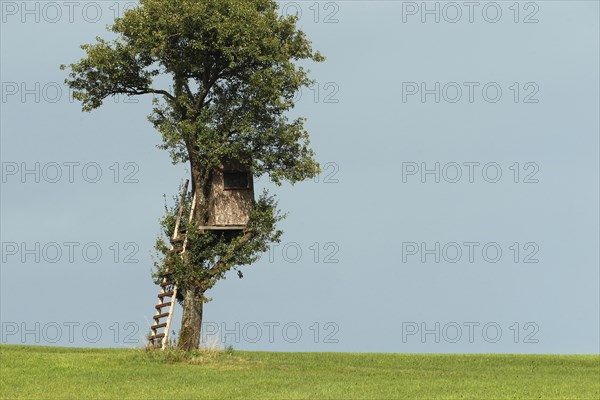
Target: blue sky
x=457, y=211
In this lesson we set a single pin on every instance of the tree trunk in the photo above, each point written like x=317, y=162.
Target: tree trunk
x=191, y=321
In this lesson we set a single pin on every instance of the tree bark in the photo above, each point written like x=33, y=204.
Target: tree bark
x=191, y=321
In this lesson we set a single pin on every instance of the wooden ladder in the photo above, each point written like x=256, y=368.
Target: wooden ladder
x=168, y=290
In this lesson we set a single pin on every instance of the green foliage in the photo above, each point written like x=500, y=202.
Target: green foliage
x=210, y=254
x=233, y=73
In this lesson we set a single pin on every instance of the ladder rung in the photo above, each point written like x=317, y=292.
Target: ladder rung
x=159, y=316
x=166, y=284
x=175, y=250
x=158, y=307
x=165, y=294
x=154, y=337
x=155, y=327
x=177, y=240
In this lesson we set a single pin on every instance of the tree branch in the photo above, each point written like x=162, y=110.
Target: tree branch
x=136, y=92
x=206, y=86
x=188, y=90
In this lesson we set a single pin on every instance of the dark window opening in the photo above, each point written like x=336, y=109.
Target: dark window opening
x=236, y=180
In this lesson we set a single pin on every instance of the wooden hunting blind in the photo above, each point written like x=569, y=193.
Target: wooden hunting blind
x=231, y=198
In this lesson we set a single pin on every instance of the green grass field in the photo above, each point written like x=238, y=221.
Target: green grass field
x=59, y=373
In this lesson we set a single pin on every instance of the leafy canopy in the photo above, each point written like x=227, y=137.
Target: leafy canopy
x=223, y=75
x=232, y=77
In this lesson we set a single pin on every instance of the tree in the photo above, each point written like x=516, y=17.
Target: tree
x=231, y=65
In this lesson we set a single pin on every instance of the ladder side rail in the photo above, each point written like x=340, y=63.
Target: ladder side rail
x=160, y=300
x=165, y=338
